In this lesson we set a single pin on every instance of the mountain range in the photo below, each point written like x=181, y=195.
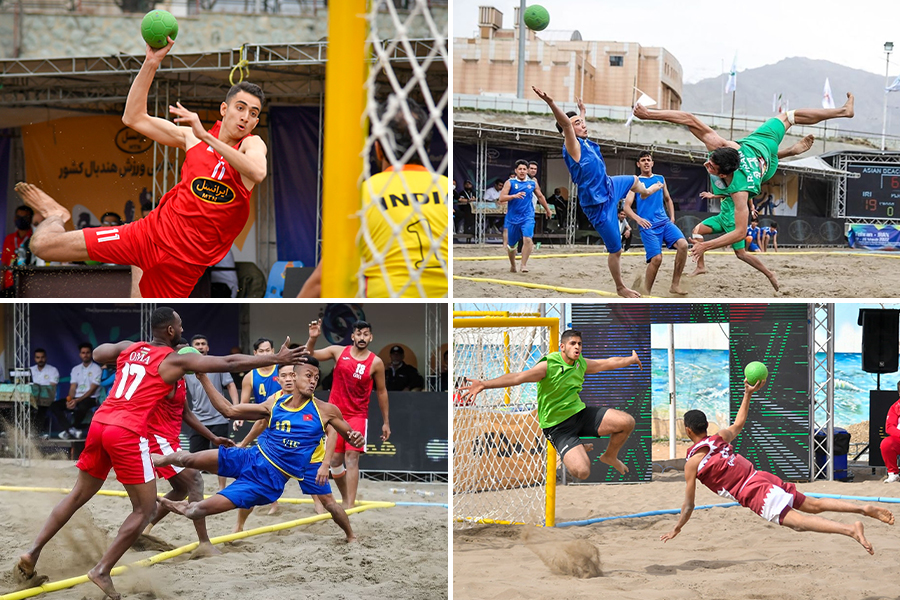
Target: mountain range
x=801, y=81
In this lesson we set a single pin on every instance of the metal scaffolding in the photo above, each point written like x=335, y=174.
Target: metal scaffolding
x=146, y=312
x=22, y=379
x=821, y=386
x=435, y=322
x=839, y=200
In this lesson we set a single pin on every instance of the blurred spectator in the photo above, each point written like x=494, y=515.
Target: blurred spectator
x=145, y=209
x=15, y=246
x=42, y=373
x=237, y=375
x=223, y=277
x=625, y=230
x=559, y=201
x=110, y=219
x=401, y=377
x=84, y=387
x=464, y=215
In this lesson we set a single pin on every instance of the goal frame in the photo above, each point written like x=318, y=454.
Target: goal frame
x=503, y=321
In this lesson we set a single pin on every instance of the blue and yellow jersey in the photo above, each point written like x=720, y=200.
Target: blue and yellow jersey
x=265, y=384
x=294, y=438
x=405, y=230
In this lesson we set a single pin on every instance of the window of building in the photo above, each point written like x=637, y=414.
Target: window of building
x=616, y=61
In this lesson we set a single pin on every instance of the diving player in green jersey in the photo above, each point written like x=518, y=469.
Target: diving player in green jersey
x=738, y=169
x=561, y=413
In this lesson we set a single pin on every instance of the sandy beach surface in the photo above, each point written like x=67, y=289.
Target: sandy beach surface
x=721, y=552
x=812, y=273
x=401, y=553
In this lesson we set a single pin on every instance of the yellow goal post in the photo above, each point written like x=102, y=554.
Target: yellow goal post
x=504, y=471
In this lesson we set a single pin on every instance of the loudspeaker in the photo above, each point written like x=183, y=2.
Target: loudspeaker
x=879, y=339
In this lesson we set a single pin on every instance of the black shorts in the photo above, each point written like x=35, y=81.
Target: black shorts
x=199, y=443
x=585, y=423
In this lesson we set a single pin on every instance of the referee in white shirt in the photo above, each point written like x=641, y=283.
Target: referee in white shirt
x=42, y=373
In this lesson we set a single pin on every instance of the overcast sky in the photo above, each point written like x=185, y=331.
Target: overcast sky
x=705, y=33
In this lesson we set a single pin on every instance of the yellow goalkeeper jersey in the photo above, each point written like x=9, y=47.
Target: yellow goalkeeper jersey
x=405, y=233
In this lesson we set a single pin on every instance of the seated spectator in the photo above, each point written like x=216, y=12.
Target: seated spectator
x=401, y=377
x=83, y=392
x=42, y=373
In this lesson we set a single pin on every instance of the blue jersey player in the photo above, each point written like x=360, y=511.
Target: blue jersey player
x=519, y=222
x=655, y=215
x=598, y=193
x=293, y=446
x=259, y=384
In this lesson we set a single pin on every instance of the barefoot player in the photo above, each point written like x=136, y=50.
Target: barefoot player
x=117, y=438
x=519, y=221
x=738, y=169
x=561, y=413
x=293, y=446
x=598, y=193
x=713, y=461
x=197, y=220
x=356, y=369
x=655, y=215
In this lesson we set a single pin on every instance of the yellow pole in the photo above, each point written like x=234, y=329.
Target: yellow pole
x=550, y=505
x=345, y=134
x=506, y=363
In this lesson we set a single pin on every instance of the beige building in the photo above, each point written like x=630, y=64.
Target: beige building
x=603, y=73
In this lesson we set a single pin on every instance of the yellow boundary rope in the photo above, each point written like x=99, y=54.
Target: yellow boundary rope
x=62, y=584
x=541, y=286
x=894, y=255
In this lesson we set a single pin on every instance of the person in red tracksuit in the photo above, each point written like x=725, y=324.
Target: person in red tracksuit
x=197, y=221
x=890, y=446
x=356, y=370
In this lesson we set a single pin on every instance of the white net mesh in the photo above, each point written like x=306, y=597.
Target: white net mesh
x=404, y=229
x=499, y=451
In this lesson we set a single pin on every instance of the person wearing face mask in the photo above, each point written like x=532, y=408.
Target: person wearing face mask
x=11, y=244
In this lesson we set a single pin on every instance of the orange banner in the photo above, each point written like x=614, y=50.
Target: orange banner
x=92, y=165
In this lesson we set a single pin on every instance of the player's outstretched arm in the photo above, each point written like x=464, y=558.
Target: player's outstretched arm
x=698, y=128
x=729, y=433
x=333, y=417
x=258, y=427
x=176, y=365
x=668, y=203
x=572, y=145
x=690, y=490
x=475, y=387
x=109, y=353
x=136, y=115
x=191, y=420
x=229, y=410
x=615, y=362
x=741, y=218
x=329, y=353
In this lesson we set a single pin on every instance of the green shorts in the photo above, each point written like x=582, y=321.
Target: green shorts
x=720, y=224
x=765, y=141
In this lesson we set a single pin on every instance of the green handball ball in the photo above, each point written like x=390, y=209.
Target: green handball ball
x=188, y=349
x=156, y=26
x=755, y=371
x=536, y=17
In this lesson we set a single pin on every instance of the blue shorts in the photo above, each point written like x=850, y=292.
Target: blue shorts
x=518, y=231
x=257, y=481
x=605, y=217
x=654, y=238
x=753, y=247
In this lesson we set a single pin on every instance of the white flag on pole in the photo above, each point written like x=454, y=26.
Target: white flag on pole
x=644, y=100
x=827, y=98
x=894, y=87
x=731, y=84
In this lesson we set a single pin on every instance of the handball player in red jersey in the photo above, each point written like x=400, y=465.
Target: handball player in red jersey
x=164, y=428
x=146, y=372
x=197, y=221
x=356, y=369
x=713, y=461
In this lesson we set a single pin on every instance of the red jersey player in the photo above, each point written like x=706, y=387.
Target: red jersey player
x=164, y=428
x=713, y=461
x=356, y=369
x=197, y=221
x=117, y=438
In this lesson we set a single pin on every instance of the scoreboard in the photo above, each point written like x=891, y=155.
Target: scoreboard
x=876, y=193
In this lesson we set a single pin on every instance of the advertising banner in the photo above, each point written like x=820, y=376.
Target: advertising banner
x=874, y=237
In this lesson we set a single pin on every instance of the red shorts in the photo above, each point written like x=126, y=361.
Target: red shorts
x=769, y=497
x=165, y=276
x=357, y=424
x=165, y=446
x=111, y=446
